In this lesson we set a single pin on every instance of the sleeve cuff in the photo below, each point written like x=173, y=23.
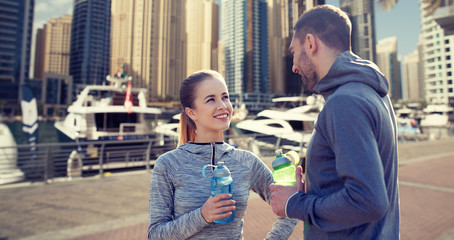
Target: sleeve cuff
x=288, y=199
x=201, y=220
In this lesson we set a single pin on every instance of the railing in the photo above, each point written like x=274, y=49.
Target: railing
x=44, y=162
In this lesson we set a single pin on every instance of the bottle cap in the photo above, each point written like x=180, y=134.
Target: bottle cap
x=294, y=157
x=221, y=170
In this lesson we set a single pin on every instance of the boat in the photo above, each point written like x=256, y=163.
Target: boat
x=170, y=128
x=9, y=172
x=239, y=113
x=437, y=121
x=290, y=129
x=108, y=113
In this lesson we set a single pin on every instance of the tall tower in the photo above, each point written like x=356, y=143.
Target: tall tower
x=412, y=77
x=53, y=46
x=389, y=65
x=16, y=18
x=362, y=16
x=90, y=42
x=131, y=41
x=438, y=60
x=202, y=31
x=244, y=33
x=168, y=49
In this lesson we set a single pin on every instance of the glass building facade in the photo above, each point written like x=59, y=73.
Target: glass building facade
x=16, y=25
x=244, y=33
x=90, y=43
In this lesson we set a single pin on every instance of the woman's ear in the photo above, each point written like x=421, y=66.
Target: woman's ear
x=190, y=113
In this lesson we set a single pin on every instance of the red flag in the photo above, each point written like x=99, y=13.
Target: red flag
x=128, y=100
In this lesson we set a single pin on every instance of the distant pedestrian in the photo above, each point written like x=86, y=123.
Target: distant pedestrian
x=181, y=206
x=351, y=189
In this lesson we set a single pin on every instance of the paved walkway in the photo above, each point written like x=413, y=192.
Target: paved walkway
x=115, y=207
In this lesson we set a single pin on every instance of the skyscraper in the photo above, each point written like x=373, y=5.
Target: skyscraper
x=244, y=32
x=389, y=65
x=202, y=31
x=438, y=57
x=90, y=42
x=361, y=13
x=168, y=49
x=131, y=40
x=53, y=46
x=16, y=18
x=412, y=77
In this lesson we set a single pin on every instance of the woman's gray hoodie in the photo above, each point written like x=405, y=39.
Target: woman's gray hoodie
x=352, y=158
x=178, y=190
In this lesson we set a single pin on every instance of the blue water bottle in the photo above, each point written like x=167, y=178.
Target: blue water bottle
x=221, y=182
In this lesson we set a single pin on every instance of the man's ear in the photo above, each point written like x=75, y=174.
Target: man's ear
x=311, y=44
x=190, y=113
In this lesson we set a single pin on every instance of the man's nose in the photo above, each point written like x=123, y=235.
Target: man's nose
x=294, y=69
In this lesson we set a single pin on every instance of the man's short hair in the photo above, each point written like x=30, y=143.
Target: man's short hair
x=330, y=24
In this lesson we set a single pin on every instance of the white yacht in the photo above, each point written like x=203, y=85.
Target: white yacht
x=9, y=172
x=292, y=127
x=114, y=112
x=437, y=116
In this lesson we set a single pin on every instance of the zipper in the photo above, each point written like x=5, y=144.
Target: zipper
x=213, y=149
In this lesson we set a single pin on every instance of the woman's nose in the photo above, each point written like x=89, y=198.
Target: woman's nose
x=222, y=105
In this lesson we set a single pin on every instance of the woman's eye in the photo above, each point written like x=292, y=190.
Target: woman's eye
x=226, y=97
x=209, y=100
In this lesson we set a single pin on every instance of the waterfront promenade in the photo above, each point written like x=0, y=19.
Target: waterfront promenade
x=115, y=207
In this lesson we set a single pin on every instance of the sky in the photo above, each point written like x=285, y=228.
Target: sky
x=403, y=21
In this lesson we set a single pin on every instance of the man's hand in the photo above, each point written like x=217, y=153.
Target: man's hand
x=281, y=194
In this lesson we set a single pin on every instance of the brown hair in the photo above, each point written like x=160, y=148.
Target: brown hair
x=330, y=24
x=188, y=88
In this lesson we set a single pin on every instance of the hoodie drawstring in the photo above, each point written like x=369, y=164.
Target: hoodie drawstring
x=213, y=145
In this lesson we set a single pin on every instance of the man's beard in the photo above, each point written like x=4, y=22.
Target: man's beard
x=308, y=77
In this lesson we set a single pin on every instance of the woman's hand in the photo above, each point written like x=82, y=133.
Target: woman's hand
x=214, y=208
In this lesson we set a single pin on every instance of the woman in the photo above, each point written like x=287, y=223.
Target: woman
x=181, y=206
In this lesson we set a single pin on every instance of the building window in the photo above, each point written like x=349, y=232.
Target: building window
x=447, y=49
x=366, y=43
x=449, y=74
x=447, y=41
x=450, y=90
x=448, y=65
x=365, y=18
x=449, y=81
x=366, y=30
x=448, y=57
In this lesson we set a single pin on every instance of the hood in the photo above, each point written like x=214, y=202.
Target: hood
x=350, y=68
x=204, y=150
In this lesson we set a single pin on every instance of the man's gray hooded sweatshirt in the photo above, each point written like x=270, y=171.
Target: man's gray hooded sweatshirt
x=352, y=166
x=178, y=190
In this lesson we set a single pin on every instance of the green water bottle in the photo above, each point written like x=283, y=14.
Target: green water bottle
x=284, y=172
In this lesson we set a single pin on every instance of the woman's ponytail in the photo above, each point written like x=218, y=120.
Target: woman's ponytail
x=186, y=130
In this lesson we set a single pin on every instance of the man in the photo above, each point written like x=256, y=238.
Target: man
x=351, y=187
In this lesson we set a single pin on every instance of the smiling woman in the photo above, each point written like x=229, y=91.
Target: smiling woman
x=181, y=204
